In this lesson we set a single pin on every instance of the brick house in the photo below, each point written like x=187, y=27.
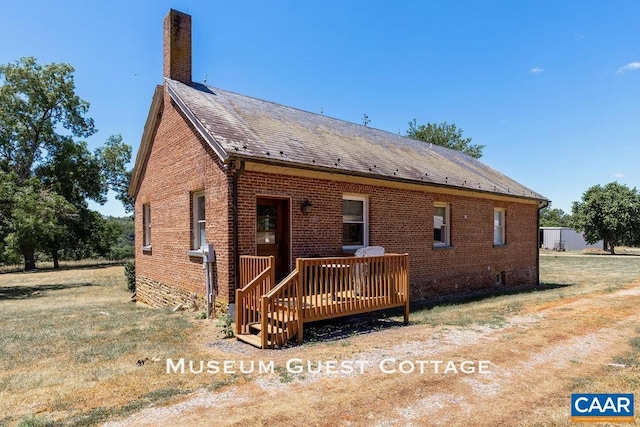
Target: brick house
x=256, y=178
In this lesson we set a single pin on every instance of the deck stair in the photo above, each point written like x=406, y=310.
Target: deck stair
x=269, y=315
x=277, y=336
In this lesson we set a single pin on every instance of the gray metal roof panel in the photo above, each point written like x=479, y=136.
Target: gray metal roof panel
x=259, y=129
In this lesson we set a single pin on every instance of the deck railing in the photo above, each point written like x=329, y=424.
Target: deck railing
x=252, y=266
x=282, y=319
x=333, y=287
x=248, y=297
x=319, y=288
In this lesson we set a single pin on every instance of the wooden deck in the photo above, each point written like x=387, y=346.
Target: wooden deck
x=269, y=315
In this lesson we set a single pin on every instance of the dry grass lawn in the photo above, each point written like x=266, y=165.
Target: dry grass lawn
x=70, y=340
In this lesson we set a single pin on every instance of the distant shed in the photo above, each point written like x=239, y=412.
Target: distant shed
x=564, y=239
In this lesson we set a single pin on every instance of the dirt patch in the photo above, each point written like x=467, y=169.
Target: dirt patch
x=533, y=358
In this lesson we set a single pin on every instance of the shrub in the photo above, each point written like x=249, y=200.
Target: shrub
x=130, y=274
x=225, y=323
x=120, y=253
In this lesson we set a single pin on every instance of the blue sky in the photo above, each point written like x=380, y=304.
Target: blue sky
x=551, y=88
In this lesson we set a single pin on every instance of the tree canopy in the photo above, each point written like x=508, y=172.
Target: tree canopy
x=611, y=213
x=48, y=173
x=445, y=135
x=554, y=217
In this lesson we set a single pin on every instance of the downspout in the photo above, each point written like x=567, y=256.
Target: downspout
x=236, y=173
x=542, y=205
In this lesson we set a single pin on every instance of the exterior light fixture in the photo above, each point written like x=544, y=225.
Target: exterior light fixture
x=305, y=207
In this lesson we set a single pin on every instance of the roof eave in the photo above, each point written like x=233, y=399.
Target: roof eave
x=318, y=168
x=145, y=142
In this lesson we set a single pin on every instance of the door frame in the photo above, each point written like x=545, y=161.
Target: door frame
x=290, y=224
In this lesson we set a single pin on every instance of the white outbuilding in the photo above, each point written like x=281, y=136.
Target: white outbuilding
x=564, y=239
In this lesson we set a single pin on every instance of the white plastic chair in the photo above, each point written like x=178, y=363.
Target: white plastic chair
x=362, y=269
x=370, y=251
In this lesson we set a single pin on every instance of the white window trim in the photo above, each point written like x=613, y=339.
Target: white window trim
x=447, y=224
x=146, y=224
x=195, y=243
x=503, y=220
x=365, y=218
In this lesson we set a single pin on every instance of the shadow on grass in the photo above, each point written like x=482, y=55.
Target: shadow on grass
x=24, y=292
x=345, y=327
x=483, y=295
x=63, y=267
x=341, y=328
x=348, y=326
x=604, y=255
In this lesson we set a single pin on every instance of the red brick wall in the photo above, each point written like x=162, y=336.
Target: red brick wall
x=402, y=221
x=179, y=163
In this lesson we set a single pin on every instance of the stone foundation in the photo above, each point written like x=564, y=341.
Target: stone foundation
x=157, y=294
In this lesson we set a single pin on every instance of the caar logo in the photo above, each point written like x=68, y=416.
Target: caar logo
x=602, y=408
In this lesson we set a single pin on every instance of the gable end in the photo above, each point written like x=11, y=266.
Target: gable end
x=215, y=145
x=147, y=136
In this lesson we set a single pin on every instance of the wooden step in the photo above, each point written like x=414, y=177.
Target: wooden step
x=257, y=329
x=254, y=340
x=289, y=328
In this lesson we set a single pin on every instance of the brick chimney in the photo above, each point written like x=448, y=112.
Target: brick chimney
x=177, y=46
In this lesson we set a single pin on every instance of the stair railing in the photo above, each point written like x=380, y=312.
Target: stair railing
x=248, y=298
x=281, y=318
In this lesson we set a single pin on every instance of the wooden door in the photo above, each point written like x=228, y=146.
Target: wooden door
x=272, y=233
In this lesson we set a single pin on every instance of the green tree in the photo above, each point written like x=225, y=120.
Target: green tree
x=124, y=245
x=445, y=135
x=36, y=102
x=35, y=218
x=114, y=172
x=41, y=118
x=7, y=194
x=93, y=236
x=554, y=217
x=611, y=213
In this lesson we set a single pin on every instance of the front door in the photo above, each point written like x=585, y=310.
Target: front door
x=272, y=233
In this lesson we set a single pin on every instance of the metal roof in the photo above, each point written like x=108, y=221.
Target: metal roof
x=241, y=126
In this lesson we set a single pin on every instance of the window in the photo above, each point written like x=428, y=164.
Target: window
x=441, y=231
x=355, y=227
x=146, y=221
x=498, y=226
x=267, y=227
x=199, y=237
